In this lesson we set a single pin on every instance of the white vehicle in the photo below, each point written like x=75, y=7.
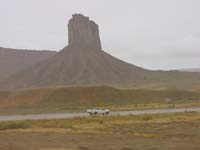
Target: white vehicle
x=98, y=111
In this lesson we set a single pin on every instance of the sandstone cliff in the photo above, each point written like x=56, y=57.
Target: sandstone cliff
x=83, y=32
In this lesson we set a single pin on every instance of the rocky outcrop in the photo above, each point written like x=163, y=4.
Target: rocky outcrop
x=83, y=32
x=83, y=63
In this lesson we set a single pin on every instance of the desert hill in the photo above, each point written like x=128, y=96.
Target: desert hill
x=191, y=70
x=62, y=99
x=15, y=60
x=84, y=63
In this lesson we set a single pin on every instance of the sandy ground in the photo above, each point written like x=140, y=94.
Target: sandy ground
x=165, y=136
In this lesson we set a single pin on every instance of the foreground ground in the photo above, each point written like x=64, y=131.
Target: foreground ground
x=173, y=131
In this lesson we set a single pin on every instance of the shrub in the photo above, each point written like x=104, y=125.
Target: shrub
x=147, y=117
x=13, y=125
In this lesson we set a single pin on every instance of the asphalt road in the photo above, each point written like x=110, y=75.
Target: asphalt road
x=72, y=115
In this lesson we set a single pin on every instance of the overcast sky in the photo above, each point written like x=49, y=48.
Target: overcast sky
x=154, y=34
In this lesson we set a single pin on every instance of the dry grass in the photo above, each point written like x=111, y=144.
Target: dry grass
x=97, y=124
x=171, y=131
x=160, y=105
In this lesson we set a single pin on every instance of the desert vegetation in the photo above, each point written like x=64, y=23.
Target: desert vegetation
x=169, y=131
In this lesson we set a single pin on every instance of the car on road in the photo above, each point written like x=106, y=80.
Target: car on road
x=98, y=111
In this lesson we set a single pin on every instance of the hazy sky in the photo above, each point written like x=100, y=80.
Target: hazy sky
x=155, y=34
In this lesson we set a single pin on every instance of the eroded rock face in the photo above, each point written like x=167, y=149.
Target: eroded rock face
x=83, y=32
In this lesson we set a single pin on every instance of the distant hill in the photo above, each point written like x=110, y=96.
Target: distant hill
x=13, y=61
x=191, y=70
x=84, y=63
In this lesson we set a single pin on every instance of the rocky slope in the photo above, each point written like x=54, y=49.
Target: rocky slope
x=14, y=61
x=83, y=62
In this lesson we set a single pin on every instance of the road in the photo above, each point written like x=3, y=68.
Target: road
x=72, y=115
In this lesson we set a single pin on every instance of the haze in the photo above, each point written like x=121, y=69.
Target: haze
x=153, y=34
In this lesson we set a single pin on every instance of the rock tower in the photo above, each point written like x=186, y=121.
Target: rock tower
x=83, y=32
